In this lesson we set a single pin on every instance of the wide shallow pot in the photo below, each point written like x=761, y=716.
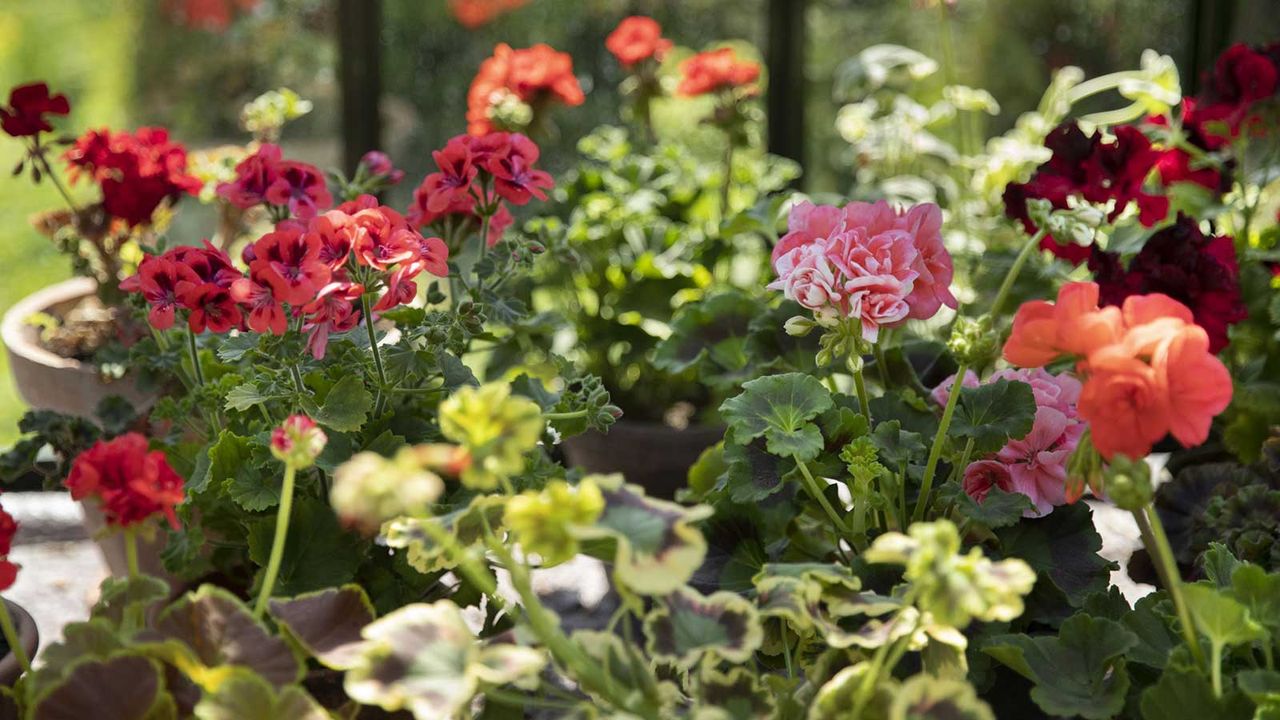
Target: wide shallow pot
x=48, y=381
x=652, y=455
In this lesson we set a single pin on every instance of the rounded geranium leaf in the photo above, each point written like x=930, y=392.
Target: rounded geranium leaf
x=781, y=408
x=687, y=625
x=127, y=687
x=245, y=696
x=925, y=697
x=736, y=693
x=465, y=526
x=327, y=623
x=837, y=696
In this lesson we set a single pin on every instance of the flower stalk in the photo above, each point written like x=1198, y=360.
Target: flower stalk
x=11, y=637
x=935, y=452
x=283, y=514
x=1157, y=544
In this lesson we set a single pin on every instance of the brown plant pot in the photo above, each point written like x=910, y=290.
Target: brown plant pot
x=111, y=545
x=29, y=636
x=47, y=381
x=652, y=455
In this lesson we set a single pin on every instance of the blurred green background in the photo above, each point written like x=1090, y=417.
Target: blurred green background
x=191, y=64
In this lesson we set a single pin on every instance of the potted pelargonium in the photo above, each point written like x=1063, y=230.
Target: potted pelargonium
x=652, y=219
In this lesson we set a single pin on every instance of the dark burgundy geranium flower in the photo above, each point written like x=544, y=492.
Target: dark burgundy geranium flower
x=24, y=116
x=1181, y=262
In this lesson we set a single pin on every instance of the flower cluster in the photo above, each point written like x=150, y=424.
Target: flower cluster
x=369, y=489
x=496, y=429
x=8, y=569
x=475, y=177
x=476, y=13
x=24, y=116
x=1242, y=76
x=266, y=178
x=513, y=85
x=1146, y=366
x=135, y=171
x=1035, y=465
x=543, y=521
x=716, y=70
x=130, y=483
x=865, y=262
x=317, y=270
x=1181, y=262
x=637, y=39
x=1089, y=168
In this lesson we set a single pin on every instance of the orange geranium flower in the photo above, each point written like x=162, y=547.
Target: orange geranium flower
x=1146, y=366
x=637, y=39
x=531, y=76
x=714, y=70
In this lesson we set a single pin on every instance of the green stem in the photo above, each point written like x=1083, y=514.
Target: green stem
x=53, y=178
x=11, y=636
x=194, y=350
x=1215, y=650
x=869, y=681
x=1128, y=113
x=728, y=177
x=379, y=402
x=1157, y=543
x=1014, y=271
x=565, y=415
x=860, y=386
x=131, y=551
x=814, y=488
x=786, y=646
x=1102, y=83
x=935, y=452
x=882, y=366
x=297, y=379
x=283, y=514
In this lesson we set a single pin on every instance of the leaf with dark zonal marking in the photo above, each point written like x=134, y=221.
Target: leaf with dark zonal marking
x=687, y=625
x=124, y=687
x=326, y=623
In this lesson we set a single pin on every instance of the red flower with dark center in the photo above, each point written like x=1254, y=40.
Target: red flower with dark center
x=715, y=70
x=212, y=307
x=401, y=289
x=636, y=39
x=158, y=279
x=515, y=178
x=331, y=228
x=210, y=264
x=457, y=172
x=333, y=310
x=382, y=238
x=1179, y=261
x=131, y=483
x=294, y=267
x=24, y=116
x=266, y=314
x=301, y=188
x=254, y=176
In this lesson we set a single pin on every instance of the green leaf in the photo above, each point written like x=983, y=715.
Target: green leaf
x=245, y=696
x=423, y=658
x=897, y=447
x=228, y=458
x=465, y=526
x=233, y=348
x=1081, y=671
x=1219, y=617
x=1260, y=685
x=124, y=687
x=656, y=547
x=993, y=413
x=735, y=693
x=253, y=489
x=118, y=594
x=318, y=552
x=703, y=329
x=925, y=697
x=686, y=625
x=1219, y=564
x=346, y=405
x=781, y=408
x=1259, y=591
x=326, y=623
x=998, y=509
x=1062, y=546
x=213, y=630
x=243, y=397
x=1183, y=694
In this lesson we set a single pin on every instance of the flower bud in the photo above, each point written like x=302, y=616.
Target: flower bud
x=1128, y=483
x=1084, y=468
x=799, y=326
x=973, y=341
x=298, y=441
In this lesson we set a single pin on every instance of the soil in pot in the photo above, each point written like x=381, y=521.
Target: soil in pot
x=652, y=455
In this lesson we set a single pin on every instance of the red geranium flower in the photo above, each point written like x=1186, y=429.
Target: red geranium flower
x=457, y=171
x=136, y=172
x=158, y=279
x=1097, y=171
x=209, y=263
x=8, y=570
x=211, y=306
x=1179, y=261
x=715, y=70
x=515, y=178
x=401, y=289
x=637, y=39
x=28, y=104
x=533, y=76
x=333, y=310
x=266, y=313
x=301, y=188
x=131, y=483
x=475, y=13
x=381, y=238
x=254, y=175
x=294, y=268
x=335, y=238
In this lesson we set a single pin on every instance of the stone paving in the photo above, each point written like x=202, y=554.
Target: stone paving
x=62, y=567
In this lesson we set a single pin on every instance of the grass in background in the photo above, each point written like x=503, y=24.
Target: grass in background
x=82, y=48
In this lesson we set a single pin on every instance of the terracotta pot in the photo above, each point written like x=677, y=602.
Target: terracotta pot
x=28, y=635
x=111, y=545
x=47, y=381
x=654, y=456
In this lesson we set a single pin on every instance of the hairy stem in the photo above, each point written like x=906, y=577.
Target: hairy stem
x=283, y=515
x=935, y=452
x=1157, y=544
x=1014, y=271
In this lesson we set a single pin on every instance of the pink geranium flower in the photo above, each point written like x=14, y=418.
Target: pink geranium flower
x=1038, y=462
x=983, y=475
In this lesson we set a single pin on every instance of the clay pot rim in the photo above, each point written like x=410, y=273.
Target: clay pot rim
x=17, y=333
x=28, y=634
